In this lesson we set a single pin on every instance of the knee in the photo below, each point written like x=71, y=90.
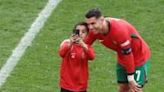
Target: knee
x=124, y=88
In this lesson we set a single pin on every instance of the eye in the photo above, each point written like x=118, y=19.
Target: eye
x=92, y=23
x=83, y=31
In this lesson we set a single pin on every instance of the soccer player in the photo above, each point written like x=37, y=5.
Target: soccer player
x=75, y=55
x=132, y=51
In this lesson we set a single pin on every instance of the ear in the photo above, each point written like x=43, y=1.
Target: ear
x=102, y=18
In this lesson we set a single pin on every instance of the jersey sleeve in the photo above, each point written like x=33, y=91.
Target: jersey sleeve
x=125, y=50
x=64, y=48
x=90, y=53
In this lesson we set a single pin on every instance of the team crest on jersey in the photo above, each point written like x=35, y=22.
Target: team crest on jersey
x=125, y=43
x=73, y=55
x=114, y=42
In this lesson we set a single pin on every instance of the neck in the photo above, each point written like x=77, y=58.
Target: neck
x=105, y=27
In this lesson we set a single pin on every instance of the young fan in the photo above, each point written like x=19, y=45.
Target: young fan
x=75, y=55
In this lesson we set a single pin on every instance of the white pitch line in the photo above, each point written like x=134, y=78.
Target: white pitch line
x=26, y=40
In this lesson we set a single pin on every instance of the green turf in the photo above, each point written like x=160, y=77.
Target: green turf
x=38, y=70
x=16, y=17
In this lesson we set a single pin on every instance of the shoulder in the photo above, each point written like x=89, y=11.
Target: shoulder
x=119, y=31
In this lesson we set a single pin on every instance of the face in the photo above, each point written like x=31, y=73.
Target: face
x=94, y=24
x=82, y=31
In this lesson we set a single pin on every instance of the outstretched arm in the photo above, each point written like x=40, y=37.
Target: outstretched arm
x=64, y=47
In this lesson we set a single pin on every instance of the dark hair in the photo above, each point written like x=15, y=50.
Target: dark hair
x=93, y=13
x=75, y=31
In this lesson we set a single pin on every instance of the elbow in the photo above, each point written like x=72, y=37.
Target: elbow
x=92, y=57
x=61, y=54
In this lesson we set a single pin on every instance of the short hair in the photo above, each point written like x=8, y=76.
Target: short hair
x=93, y=13
x=81, y=24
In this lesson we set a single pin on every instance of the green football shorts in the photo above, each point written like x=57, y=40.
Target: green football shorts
x=140, y=76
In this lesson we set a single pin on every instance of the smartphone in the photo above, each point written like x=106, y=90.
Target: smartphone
x=77, y=32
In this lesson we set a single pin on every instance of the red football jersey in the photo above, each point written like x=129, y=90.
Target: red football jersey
x=74, y=66
x=122, y=35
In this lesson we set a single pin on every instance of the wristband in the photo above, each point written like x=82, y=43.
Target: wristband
x=130, y=77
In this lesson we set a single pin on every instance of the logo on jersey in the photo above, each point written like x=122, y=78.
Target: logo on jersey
x=73, y=55
x=114, y=42
x=125, y=43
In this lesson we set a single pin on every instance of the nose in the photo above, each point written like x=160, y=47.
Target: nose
x=80, y=33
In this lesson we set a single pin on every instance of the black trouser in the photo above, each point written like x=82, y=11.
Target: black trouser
x=65, y=90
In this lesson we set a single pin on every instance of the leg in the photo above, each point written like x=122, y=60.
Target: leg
x=136, y=91
x=141, y=75
x=123, y=87
x=122, y=79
